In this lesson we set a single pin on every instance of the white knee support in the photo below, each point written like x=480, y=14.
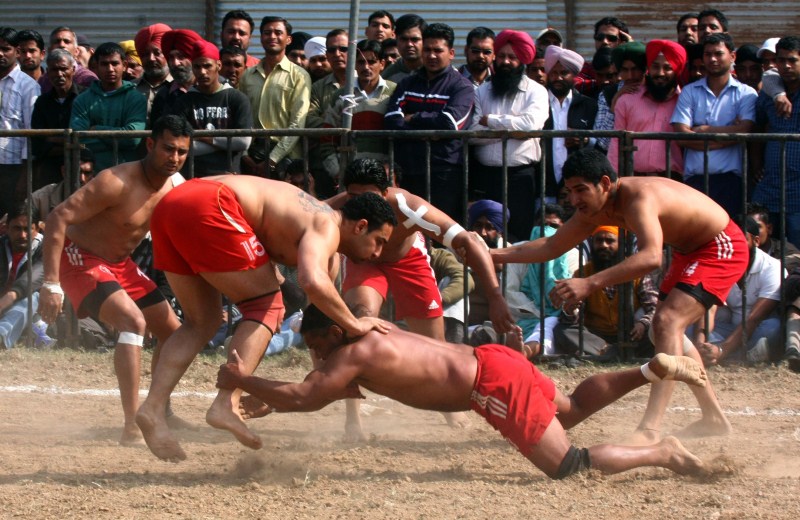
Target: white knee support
x=129, y=338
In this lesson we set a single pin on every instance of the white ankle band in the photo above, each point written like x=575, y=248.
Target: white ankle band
x=649, y=375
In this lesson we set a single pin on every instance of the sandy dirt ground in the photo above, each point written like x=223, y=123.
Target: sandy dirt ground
x=59, y=456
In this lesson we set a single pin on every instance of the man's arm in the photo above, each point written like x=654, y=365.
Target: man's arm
x=572, y=233
x=761, y=309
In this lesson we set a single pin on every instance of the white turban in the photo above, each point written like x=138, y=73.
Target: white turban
x=569, y=59
x=316, y=46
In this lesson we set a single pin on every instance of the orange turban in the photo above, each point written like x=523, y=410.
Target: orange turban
x=614, y=230
x=673, y=51
x=150, y=34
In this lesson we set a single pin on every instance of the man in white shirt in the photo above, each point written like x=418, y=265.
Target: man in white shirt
x=509, y=100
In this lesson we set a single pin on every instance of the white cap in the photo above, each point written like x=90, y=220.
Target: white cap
x=316, y=46
x=768, y=45
x=550, y=30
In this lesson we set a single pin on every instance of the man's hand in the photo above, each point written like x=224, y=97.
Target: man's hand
x=251, y=407
x=49, y=305
x=710, y=353
x=638, y=331
x=230, y=374
x=570, y=291
x=783, y=106
x=499, y=313
x=368, y=323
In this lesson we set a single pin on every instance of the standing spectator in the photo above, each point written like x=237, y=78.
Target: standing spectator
x=31, y=53
x=155, y=73
x=696, y=67
x=133, y=63
x=232, y=61
x=768, y=191
x=687, y=29
x=380, y=26
x=110, y=104
x=650, y=110
x=549, y=36
x=65, y=38
x=435, y=97
x=479, y=53
x=84, y=49
x=569, y=110
x=409, y=43
x=389, y=51
x=177, y=46
x=710, y=21
x=18, y=93
x=323, y=91
x=210, y=105
x=237, y=29
x=608, y=32
x=509, y=100
x=296, y=50
x=279, y=93
x=315, y=51
x=53, y=110
x=535, y=69
x=747, y=66
x=718, y=103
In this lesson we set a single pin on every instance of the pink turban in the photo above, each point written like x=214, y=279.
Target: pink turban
x=569, y=59
x=521, y=42
x=150, y=34
x=204, y=49
x=181, y=40
x=673, y=51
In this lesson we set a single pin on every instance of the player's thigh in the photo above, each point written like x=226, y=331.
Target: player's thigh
x=678, y=311
x=244, y=285
x=200, y=302
x=548, y=454
x=364, y=301
x=120, y=311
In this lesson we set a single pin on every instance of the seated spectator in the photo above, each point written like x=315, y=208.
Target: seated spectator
x=50, y=196
x=769, y=244
x=485, y=217
x=601, y=318
x=792, y=353
x=761, y=336
x=449, y=274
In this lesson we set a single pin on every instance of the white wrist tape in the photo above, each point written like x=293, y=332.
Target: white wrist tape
x=129, y=338
x=415, y=217
x=54, y=288
x=649, y=375
x=454, y=230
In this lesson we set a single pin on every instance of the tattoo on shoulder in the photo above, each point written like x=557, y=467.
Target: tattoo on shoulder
x=312, y=205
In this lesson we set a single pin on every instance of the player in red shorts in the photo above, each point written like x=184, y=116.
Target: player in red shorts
x=87, y=247
x=217, y=235
x=711, y=255
x=404, y=267
x=498, y=383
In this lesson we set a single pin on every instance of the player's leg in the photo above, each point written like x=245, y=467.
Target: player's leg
x=201, y=304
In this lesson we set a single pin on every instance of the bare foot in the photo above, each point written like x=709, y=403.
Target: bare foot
x=158, y=437
x=643, y=437
x=457, y=420
x=678, y=368
x=681, y=461
x=251, y=407
x=131, y=436
x=353, y=433
x=224, y=418
x=707, y=427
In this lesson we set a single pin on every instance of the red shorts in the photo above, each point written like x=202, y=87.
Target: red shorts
x=717, y=265
x=82, y=273
x=410, y=279
x=199, y=227
x=513, y=396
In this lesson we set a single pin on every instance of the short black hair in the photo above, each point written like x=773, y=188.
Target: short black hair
x=381, y=14
x=717, y=38
x=721, y=18
x=20, y=209
x=30, y=35
x=684, y=18
x=480, y=33
x=335, y=32
x=409, y=21
x=371, y=46
x=554, y=209
x=239, y=14
x=602, y=59
x=788, y=43
x=233, y=51
x=753, y=208
x=9, y=35
x=440, y=31
x=174, y=124
x=694, y=52
x=614, y=22
x=371, y=207
x=273, y=19
x=109, y=49
x=590, y=164
x=366, y=172
x=314, y=320
x=388, y=43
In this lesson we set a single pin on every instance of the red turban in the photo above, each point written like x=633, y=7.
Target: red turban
x=673, y=51
x=205, y=49
x=179, y=40
x=521, y=42
x=150, y=34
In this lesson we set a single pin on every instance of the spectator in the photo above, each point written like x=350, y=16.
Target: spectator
x=65, y=38
x=110, y=104
x=601, y=317
x=30, y=45
x=389, y=51
x=767, y=243
x=718, y=103
x=650, y=109
x=792, y=353
x=435, y=97
x=279, y=93
x=761, y=333
x=535, y=69
x=237, y=29
x=177, y=47
x=84, y=49
x=45, y=199
x=409, y=43
x=479, y=53
x=710, y=21
x=768, y=53
x=232, y=61
x=696, y=67
x=18, y=92
x=450, y=274
x=380, y=26
x=687, y=29
x=315, y=51
x=296, y=50
x=155, y=72
x=485, y=217
x=509, y=100
x=133, y=63
x=569, y=110
x=52, y=110
x=608, y=32
x=747, y=66
x=210, y=105
x=605, y=70
x=548, y=36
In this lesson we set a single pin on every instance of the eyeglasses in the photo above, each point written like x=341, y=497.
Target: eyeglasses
x=613, y=38
x=332, y=50
x=476, y=50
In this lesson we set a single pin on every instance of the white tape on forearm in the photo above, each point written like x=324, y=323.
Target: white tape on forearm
x=414, y=218
x=649, y=375
x=53, y=287
x=129, y=338
x=454, y=230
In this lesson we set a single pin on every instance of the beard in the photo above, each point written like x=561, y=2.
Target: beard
x=560, y=88
x=659, y=92
x=602, y=260
x=505, y=80
x=183, y=75
x=156, y=73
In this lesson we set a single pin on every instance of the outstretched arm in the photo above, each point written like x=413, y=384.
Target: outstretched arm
x=546, y=248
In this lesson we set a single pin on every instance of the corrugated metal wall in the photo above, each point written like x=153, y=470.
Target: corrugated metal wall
x=749, y=21
x=317, y=18
x=102, y=21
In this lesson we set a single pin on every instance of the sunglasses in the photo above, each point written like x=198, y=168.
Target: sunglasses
x=476, y=50
x=610, y=37
x=332, y=50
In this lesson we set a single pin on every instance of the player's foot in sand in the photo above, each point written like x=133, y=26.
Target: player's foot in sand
x=251, y=407
x=353, y=433
x=707, y=427
x=158, y=437
x=681, y=461
x=221, y=417
x=643, y=437
x=458, y=420
x=131, y=436
x=678, y=368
